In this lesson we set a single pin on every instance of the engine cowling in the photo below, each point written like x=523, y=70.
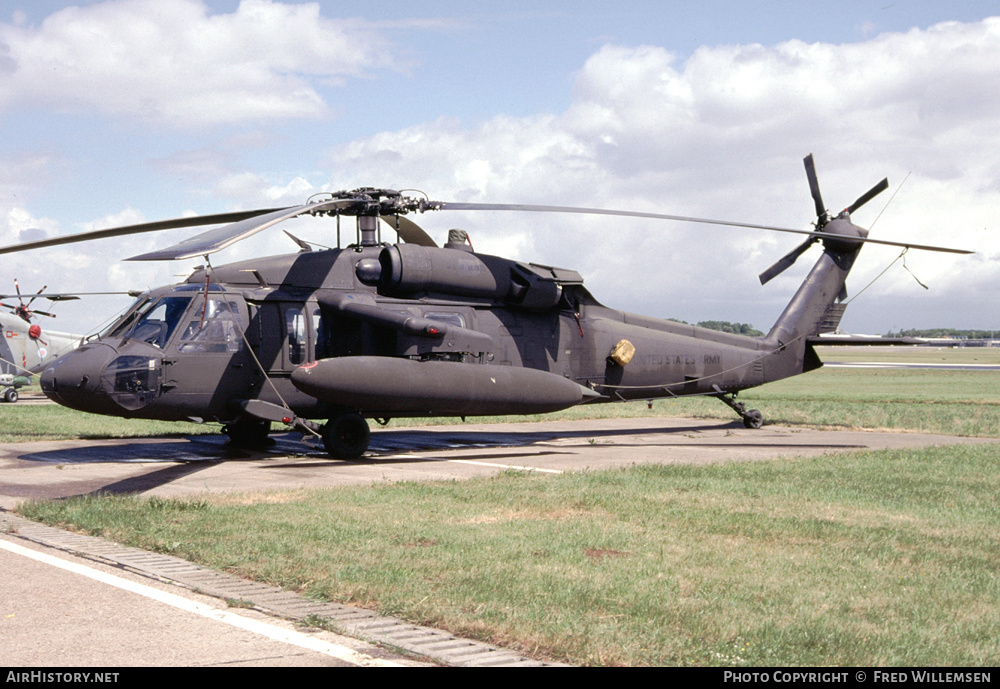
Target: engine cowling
x=407, y=269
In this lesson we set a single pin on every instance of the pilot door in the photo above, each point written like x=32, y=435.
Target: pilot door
x=206, y=362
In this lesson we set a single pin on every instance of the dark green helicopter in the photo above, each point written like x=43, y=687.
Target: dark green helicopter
x=378, y=330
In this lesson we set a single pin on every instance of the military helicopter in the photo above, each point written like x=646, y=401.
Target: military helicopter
x=24, y=347
x=409, y=329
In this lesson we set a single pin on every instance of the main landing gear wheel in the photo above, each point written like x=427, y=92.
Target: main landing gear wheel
x=346, y=436
x=753, y=419
x=10, y=395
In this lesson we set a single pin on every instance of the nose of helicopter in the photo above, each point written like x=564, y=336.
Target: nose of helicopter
x=103, y=379
x=75, y=378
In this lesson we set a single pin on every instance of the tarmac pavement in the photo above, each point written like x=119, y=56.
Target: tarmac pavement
x=195, y=465
x=62, y=611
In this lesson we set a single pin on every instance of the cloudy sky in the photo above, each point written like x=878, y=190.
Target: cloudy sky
x=124, y=111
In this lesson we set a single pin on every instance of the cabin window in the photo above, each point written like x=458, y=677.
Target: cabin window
x=213, y=326
x=321, y=340
x=295, y=326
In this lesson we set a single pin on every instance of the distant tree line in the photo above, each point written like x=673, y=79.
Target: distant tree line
x=750, y=331
x=726, y=327
x=947, y=332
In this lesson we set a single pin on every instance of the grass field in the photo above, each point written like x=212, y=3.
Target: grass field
x=913, y=355
x=30, y=422
x=863, y=559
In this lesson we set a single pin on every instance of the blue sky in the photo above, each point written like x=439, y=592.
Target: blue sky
x=127, y=110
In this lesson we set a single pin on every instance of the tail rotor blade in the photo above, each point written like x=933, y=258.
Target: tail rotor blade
x=30, y=301
x=785, y=262
x=814, y=190
x=868, y=195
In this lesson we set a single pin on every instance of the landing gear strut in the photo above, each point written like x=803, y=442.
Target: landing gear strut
x=346, y=436
x=751, y=418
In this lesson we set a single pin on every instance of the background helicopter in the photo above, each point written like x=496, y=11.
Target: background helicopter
x=381, y=330
x=24, y=347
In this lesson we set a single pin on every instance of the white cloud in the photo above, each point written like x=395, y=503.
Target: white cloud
x=61, y=269
x=18, y=225
x=722, y=134
x=173, y=63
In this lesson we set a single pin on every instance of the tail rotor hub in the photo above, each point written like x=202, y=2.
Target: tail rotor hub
x=840, y=235
x=23, y=310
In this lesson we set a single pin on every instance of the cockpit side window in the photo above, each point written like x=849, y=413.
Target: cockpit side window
x=213, y=326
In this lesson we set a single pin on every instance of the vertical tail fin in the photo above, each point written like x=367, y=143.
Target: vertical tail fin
x=819, y=304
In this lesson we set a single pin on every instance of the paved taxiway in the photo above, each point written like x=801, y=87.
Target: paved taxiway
x=62, y=611
x=175, y=467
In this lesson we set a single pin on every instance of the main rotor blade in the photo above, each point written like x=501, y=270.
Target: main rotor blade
x=243, y=224
x=443, y=205
x=868, y=196
x=64, y=296
x=193, y=221
x=814, y=189
x=35, y=296
x=409, y=231
x=451, y=206
x=785, y=262
x=221, y=237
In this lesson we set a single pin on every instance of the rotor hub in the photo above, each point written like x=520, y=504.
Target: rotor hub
x=843, y=234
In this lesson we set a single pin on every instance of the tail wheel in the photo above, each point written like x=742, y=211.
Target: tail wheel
x=346, y=436
x=10, y=395
x=753, y=419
